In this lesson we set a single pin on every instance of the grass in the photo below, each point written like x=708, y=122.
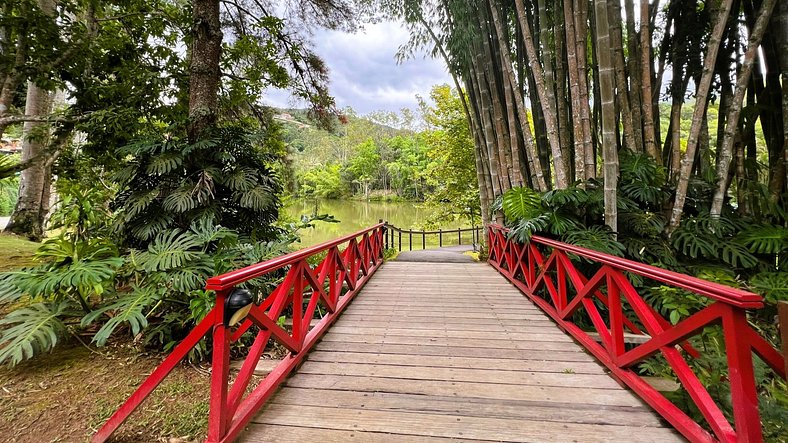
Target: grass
x=16, y=252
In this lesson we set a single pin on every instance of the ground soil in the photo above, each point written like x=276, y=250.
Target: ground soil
x=66, y=396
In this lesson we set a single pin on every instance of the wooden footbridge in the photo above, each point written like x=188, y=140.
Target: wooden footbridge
x=524, y=348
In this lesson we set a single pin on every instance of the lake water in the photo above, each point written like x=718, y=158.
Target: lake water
x=355, y=215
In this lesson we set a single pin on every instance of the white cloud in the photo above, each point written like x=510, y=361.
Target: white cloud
x=364, y=73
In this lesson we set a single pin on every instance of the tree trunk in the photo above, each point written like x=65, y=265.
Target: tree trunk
x=633, y=65
x=778, y=184
x=649, y=141
x=701, y=100
x=574, y=91
x=548, y=109
x=204, y=73
x=34, y=182
x=607, y=96
x=580, y=19
x=31, y=208
x=622, y=90
x=520, y=106
x=726, y=151
x=564, y=120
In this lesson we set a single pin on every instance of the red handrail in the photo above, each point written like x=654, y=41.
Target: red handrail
x=234, y=278
x=547, y=280
x=324, y=284
x=726, y=294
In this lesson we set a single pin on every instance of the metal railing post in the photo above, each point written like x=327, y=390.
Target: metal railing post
x=440, y=238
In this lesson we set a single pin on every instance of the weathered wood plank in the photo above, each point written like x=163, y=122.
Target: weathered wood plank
x=540, y=335
x=500, y=391
x=526, y=327
x=264, y=433
x=378, y=316
x=436, y=425
x=451, y=352
x=471, y=407
x=585, y=367
x=537, y=343
x=457, y=351
x=566, y=379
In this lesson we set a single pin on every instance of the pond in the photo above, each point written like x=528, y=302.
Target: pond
x=355, y=215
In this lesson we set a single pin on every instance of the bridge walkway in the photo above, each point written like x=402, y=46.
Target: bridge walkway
x=451, y=351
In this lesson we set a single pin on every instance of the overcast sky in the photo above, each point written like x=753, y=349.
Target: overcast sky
x=364, y=73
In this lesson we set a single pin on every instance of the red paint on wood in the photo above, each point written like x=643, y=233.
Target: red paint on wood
x=728, y=307
x=230, y=411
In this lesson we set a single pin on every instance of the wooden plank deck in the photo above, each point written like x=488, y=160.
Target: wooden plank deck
x=439, y=351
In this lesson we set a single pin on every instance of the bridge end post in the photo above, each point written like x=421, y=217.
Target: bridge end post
x=741, y=375
x=782, y=311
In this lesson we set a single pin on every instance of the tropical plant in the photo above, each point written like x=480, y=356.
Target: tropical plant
x=225, y=179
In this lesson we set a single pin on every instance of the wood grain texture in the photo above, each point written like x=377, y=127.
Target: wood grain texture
x=451, y=352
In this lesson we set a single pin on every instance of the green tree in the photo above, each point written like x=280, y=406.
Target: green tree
x=365, y=165
x=452, y=166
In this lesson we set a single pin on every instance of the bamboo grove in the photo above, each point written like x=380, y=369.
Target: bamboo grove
x=555, y=89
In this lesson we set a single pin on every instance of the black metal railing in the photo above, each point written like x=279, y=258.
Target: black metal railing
x=395, y=237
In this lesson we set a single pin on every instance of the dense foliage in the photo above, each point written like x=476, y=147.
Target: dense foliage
x=736, y=250
x=383, y=156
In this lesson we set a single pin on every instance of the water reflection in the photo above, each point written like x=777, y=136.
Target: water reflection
x=355, y=215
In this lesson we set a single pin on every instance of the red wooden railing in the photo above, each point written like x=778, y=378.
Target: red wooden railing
x=542, y=268
x=323, y=284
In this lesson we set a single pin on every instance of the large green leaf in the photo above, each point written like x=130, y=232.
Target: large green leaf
x=33, y=330
x=521, y=203
x=765, y=239
x=127, y=309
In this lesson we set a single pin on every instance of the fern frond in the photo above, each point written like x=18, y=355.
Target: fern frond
x=32, y=330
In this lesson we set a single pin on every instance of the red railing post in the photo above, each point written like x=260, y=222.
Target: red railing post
x=744, y=394
x=545, y=280
x=220, y=367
